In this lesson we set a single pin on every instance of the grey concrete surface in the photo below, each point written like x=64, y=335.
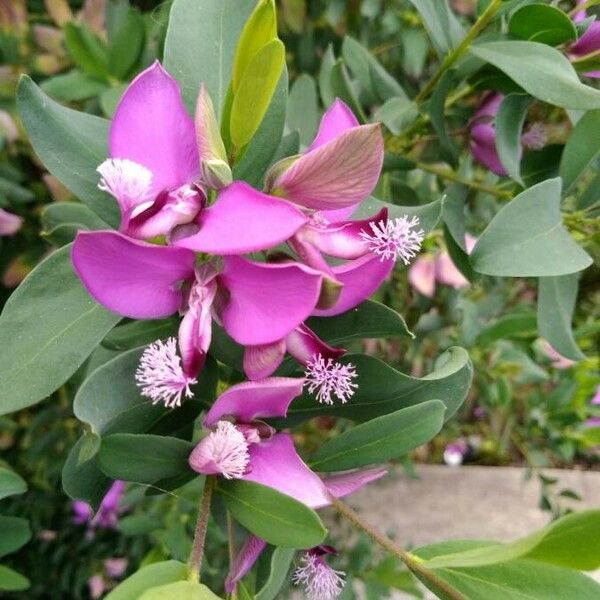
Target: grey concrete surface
x=495, y=503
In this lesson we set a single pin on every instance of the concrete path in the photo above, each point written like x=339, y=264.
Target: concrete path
x=466, y=502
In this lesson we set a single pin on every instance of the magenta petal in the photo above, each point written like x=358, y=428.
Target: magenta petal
x=337, y=119
x=244, y=561
x=340, y=173
x=151, y=127
x=343, y=484
x=129, y=277
x=262, y=361
x=9, y=223
x=266, y=301
x=589, y=42
x=255, y=400
x=360, y=279
x=342, y=240
x=275, y=463
x=243, y=220
x=304, y=344
x=421, y=275
x=483, y=147
x=340, y=214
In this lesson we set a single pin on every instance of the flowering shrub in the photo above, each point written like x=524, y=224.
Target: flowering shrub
x=212, y=289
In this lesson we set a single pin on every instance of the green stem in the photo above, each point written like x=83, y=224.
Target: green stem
x=414, y=563
x=446, y=173
x=482, y=22
x=583, y=6
x=197, y=553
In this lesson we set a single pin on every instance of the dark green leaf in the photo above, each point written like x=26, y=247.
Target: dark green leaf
x=15, y=533
x=442, y=26
x=397, y=114
x=382, y=389
x=302, y=109
x=49, y=326
x=281, y=560
x=73, y=86
x=527, y=238
x=556, y=302
x=543, y=64
x=11, y=483
x=342, y=88
x=86, y=49
x=11, y=581
x=582, y=148
x=272, y=516
x=509, y=127
x=70, y=144
x=144, y=458
x=325, y=88
x=381, y=439
x=75, y=213
x=140, y=333
x=200, y=45
x=511, y=325
x=126, y=43
x=542, y=23
x=156, y=574
x=436, y=109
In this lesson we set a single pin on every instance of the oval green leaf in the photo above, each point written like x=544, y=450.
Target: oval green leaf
x=181, y=590
x=15, y=533
x=154, y=575
x=276, y=518
x=542, y=23
x=11, y=483
x=11, y=581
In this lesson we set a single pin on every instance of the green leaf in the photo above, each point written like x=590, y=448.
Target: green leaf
x=383, y=390
x=82, y=478
x=543, y=64
x=281, y=560
x=140, y=333
x=276, y=518
x=11, y=483
x=325, y=88
x=302, y=109
x=556, y=302
x=86, y=49
x=255, y=92
x=341, y=87
x=368, y=320
x=397, y=114
x=581, y=149
x=73, y=213
x=126, y=43
x=442, y=26
x=144, y=458
x=512, y=325
x=70, y=144
x=200, y=45
x=259, y=31
x=436, y=108
x=259, y=153
x=156, y=574
x=381, y=439
x=139, y=524
x=513, y=580
x=509, y=127
x=15, y=533
x=542, y=23
x=11, y=581
x=571, y=542
x=48, y=327
x=527, y=238
x=182, y=590
x=73, y=86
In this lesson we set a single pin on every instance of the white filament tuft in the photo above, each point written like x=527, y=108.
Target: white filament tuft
x=329, y=378
x=320, y=581
x=125, y=180
x=395, y=238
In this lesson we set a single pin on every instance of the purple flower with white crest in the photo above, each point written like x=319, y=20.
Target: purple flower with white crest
x=320, y=581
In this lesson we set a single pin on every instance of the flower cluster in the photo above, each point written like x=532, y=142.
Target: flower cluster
x=187, y=227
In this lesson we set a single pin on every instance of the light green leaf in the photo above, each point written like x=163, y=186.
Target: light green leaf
x=255, y=92
x=156, y=574
x=181, y=590
x=276, y=518
x=144, y=458
x=397, y=114
x=126, y=43
x=71, y=145
x=543, y=64
x=556, y=302
x=381, y=439
x=383, y=390
x=302, y=109
x=200, y=45
x=341, y=87
x=581, y=149
x=86, y=49
x=281, y=560
x=48, y=327
x=509, y=127
x=15, y=533
x=542, y=23
x=325, y=88
x=527, y=238
x=11, y=483
x=73, y=86
x=11, y=581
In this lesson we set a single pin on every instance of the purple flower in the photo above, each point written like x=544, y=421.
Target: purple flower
x=483, y=134
x=588, y=43
x=320, y=581
x=107, y=516
x=96, y=586
x=455, y=453
x=239, y=446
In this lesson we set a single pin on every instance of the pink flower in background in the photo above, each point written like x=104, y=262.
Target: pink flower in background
x=429, y=269
x=483, y=134
x=8, y=127
x=595, y=401
x=96, y=586
x=9, y=223
x=115, y=567
x=558, y=360
x=107, y=516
